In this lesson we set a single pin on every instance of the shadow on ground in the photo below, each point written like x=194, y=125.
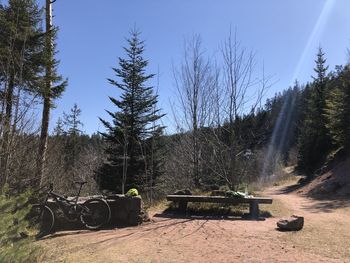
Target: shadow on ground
x=63, y=227
x=325, y=202
x=294, y=187
x=203, y=216
x=326, y=206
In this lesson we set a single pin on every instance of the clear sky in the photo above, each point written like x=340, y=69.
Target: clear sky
x=284, y=34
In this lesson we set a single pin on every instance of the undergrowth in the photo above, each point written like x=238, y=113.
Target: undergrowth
x=16, y=245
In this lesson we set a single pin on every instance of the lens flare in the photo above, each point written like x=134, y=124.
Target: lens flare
x=315, y=34
x=285, y=117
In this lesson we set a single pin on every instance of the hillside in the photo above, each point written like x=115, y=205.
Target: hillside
x=334, y=183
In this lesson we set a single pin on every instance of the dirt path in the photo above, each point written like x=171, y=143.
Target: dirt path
x=325, y=238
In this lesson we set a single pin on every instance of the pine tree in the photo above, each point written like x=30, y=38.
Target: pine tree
x=13, y=223
x=131, y=124
x=314, y=141
x=338, y=108
x=52, y=87
x=72, y=145
x=72, y=122
x=59, y=128
x=320, y=82
x=21, y=58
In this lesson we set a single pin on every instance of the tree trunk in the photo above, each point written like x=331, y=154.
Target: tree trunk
x=196, y=158
x=7, y=128
x=47, y=96
x=43, y=139
x=195, y=100
x=125, y=159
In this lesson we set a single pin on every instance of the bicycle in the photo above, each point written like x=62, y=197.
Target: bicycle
x=93, y=213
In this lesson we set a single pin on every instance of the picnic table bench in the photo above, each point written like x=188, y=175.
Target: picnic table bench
x=253, y=202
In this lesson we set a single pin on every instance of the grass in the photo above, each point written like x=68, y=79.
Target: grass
x=210, y=209
x=213, y=209
x=216, y=209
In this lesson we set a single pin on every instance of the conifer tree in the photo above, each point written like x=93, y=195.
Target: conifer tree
x=72, y=121
x=131, y=125
x=72, y=145
x=13, y=224
x=21, y=58
x=338, y=108
x=59, y=128
x=52, y=87
x=314, y=141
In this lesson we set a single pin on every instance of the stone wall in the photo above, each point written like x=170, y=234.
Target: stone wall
x=125, y=211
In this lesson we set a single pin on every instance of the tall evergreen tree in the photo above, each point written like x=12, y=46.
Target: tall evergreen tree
x=72, y=146
x=72, y=121
x=59, y=128
x=338, y=108
x=314, y=141
x=52, y=87
x=131, y=125
x=21, y=58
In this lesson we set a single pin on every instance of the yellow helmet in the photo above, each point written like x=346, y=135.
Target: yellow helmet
x=132, y=192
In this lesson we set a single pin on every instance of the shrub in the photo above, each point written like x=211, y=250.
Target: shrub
x=15, y=244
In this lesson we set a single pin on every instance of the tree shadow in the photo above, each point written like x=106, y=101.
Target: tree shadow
x=291, y=188
x=66, y=228
x=140, y=232
x=168, y=219
x=326, y=206
x=326, y=199
x=204, y=216
x=63, y=233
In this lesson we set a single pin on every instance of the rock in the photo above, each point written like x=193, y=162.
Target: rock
x=293, y=223
x=144, y=216
x=183, y=192
x=125, y=210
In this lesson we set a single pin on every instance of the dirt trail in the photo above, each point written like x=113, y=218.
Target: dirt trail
x=325, y=238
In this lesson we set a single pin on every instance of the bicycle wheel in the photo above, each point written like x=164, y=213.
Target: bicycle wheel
x=95, y=214
x=42, y=217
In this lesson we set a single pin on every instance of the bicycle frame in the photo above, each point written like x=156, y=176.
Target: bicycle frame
x=61, y=200
x=86, y=212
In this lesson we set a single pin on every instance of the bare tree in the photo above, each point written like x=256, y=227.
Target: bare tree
x=240, y=94
x=195, y=82
x=89, y=159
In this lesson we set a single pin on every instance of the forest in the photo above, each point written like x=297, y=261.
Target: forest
x=227, y=133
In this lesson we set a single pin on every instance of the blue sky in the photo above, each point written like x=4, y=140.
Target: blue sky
x=92, y=34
